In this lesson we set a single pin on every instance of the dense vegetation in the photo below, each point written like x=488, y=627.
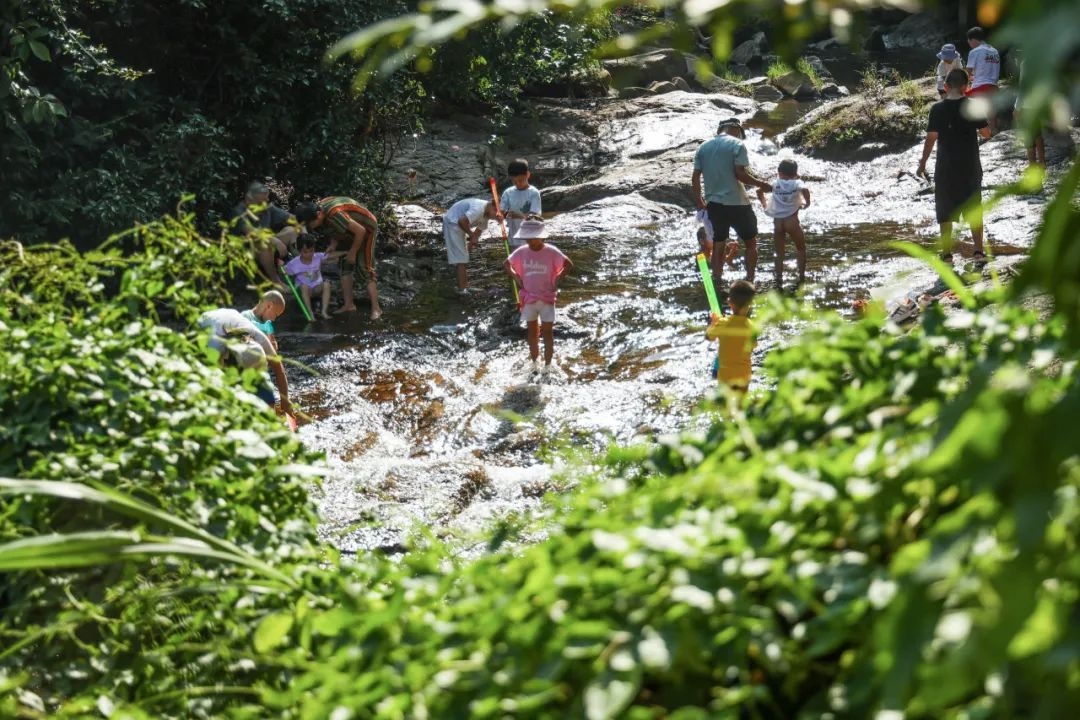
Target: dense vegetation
x=891, y=532
x=111, y=111
x=893, y=528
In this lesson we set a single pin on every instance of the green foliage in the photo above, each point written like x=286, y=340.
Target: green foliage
x=777, y=69
x=118, y=109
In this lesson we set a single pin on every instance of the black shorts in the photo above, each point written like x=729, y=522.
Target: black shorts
x=951, y=196
x=739, y=218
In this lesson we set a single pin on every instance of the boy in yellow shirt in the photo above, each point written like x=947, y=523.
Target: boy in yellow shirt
x=736, y=335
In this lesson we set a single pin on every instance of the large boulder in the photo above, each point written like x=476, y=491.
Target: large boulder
x=767, y=93
x=751, y=52
x=797, y=85
x=640, y=70
x=662, y=86
x=924, y=30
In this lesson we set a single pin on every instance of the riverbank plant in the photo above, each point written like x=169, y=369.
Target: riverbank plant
x=890, y=528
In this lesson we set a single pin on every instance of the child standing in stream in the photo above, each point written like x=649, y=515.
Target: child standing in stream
x=537, y=267
x=789, y=195
x=736, y=335
x=520, y=199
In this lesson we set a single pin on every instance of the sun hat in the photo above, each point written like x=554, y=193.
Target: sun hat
x=948, y=52
x=531, y=229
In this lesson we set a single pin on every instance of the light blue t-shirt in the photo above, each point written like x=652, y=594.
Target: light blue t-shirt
x=522, y=201
x=716, y=159
x=267, y=326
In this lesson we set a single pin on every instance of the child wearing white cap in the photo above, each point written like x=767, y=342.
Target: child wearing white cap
x=537, y=267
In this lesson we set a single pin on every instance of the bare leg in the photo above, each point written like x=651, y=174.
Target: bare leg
x=548, y=329
x=751, y=259
x=799, y=239
x=373, y=295
x=325, y=300
x=977, y=234
x=946, y=238
x=731, y=253
x=780, y=245
x=534, y=339
x=716, y=263
x=462, y=276
x=305, y=293
x=705, y=247
x=1040, y=150
x=347, y=276
x=265, y=258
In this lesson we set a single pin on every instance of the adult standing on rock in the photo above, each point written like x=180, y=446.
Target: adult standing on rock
x=724, y=164
x=345, y=219
x=958, y=168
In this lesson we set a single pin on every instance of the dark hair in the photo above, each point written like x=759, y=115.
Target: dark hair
x=702, y=233
x=518, y=166
x=741, y=294
x=788, y=167
x=976, y=33
x=306, y=211
x=305, y=240
x=257, y=187
x=957, y=79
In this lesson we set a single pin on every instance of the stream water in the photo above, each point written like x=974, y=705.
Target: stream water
x=428, y=420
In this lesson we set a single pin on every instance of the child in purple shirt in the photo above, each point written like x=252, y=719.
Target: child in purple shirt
x=306, y=270
x=537, y=268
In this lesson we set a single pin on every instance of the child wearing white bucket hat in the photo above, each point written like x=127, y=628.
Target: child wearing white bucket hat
x=537, y=267
x=949, y=60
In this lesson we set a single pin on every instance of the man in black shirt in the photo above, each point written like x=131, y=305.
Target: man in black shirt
x=957, y=170
x=256, y=212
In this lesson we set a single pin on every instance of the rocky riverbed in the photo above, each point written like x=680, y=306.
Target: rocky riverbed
x=427, y=418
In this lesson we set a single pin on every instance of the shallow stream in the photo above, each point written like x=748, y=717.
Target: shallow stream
x=427, y=417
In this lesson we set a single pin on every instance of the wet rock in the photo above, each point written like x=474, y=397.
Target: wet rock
x=875, y=42
x=584, y=82
x=865, y=125
x=750, y=52
x=721, y=86
x=923, y=30
x=600, y=215
x=797, y=85
x=629, y=93
x=640, y=70
x=681, y=84
x=819, y=67
x=665, y=86
x=418, y=224
x=756, y=81
x=826, y=44
x=832, y=90
x=767, y=93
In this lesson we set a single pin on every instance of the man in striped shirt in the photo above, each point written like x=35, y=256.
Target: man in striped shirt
x=344, y=218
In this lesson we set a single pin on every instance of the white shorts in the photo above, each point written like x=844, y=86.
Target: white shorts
x=543, y=311
x=457, y=251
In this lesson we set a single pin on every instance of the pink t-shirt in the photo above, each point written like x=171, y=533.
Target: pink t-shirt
x=308, y=274
x=538, y=270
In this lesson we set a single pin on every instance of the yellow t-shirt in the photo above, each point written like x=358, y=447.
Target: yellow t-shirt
x=736, y=336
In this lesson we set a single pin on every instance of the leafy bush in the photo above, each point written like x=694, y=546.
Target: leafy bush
x=892, y=527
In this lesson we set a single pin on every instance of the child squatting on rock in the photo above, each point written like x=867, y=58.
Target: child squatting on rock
x=537, y=268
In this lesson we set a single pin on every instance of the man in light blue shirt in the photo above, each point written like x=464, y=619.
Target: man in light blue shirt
x=724, y=164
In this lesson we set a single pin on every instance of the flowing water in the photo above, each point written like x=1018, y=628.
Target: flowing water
x=429, y=421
